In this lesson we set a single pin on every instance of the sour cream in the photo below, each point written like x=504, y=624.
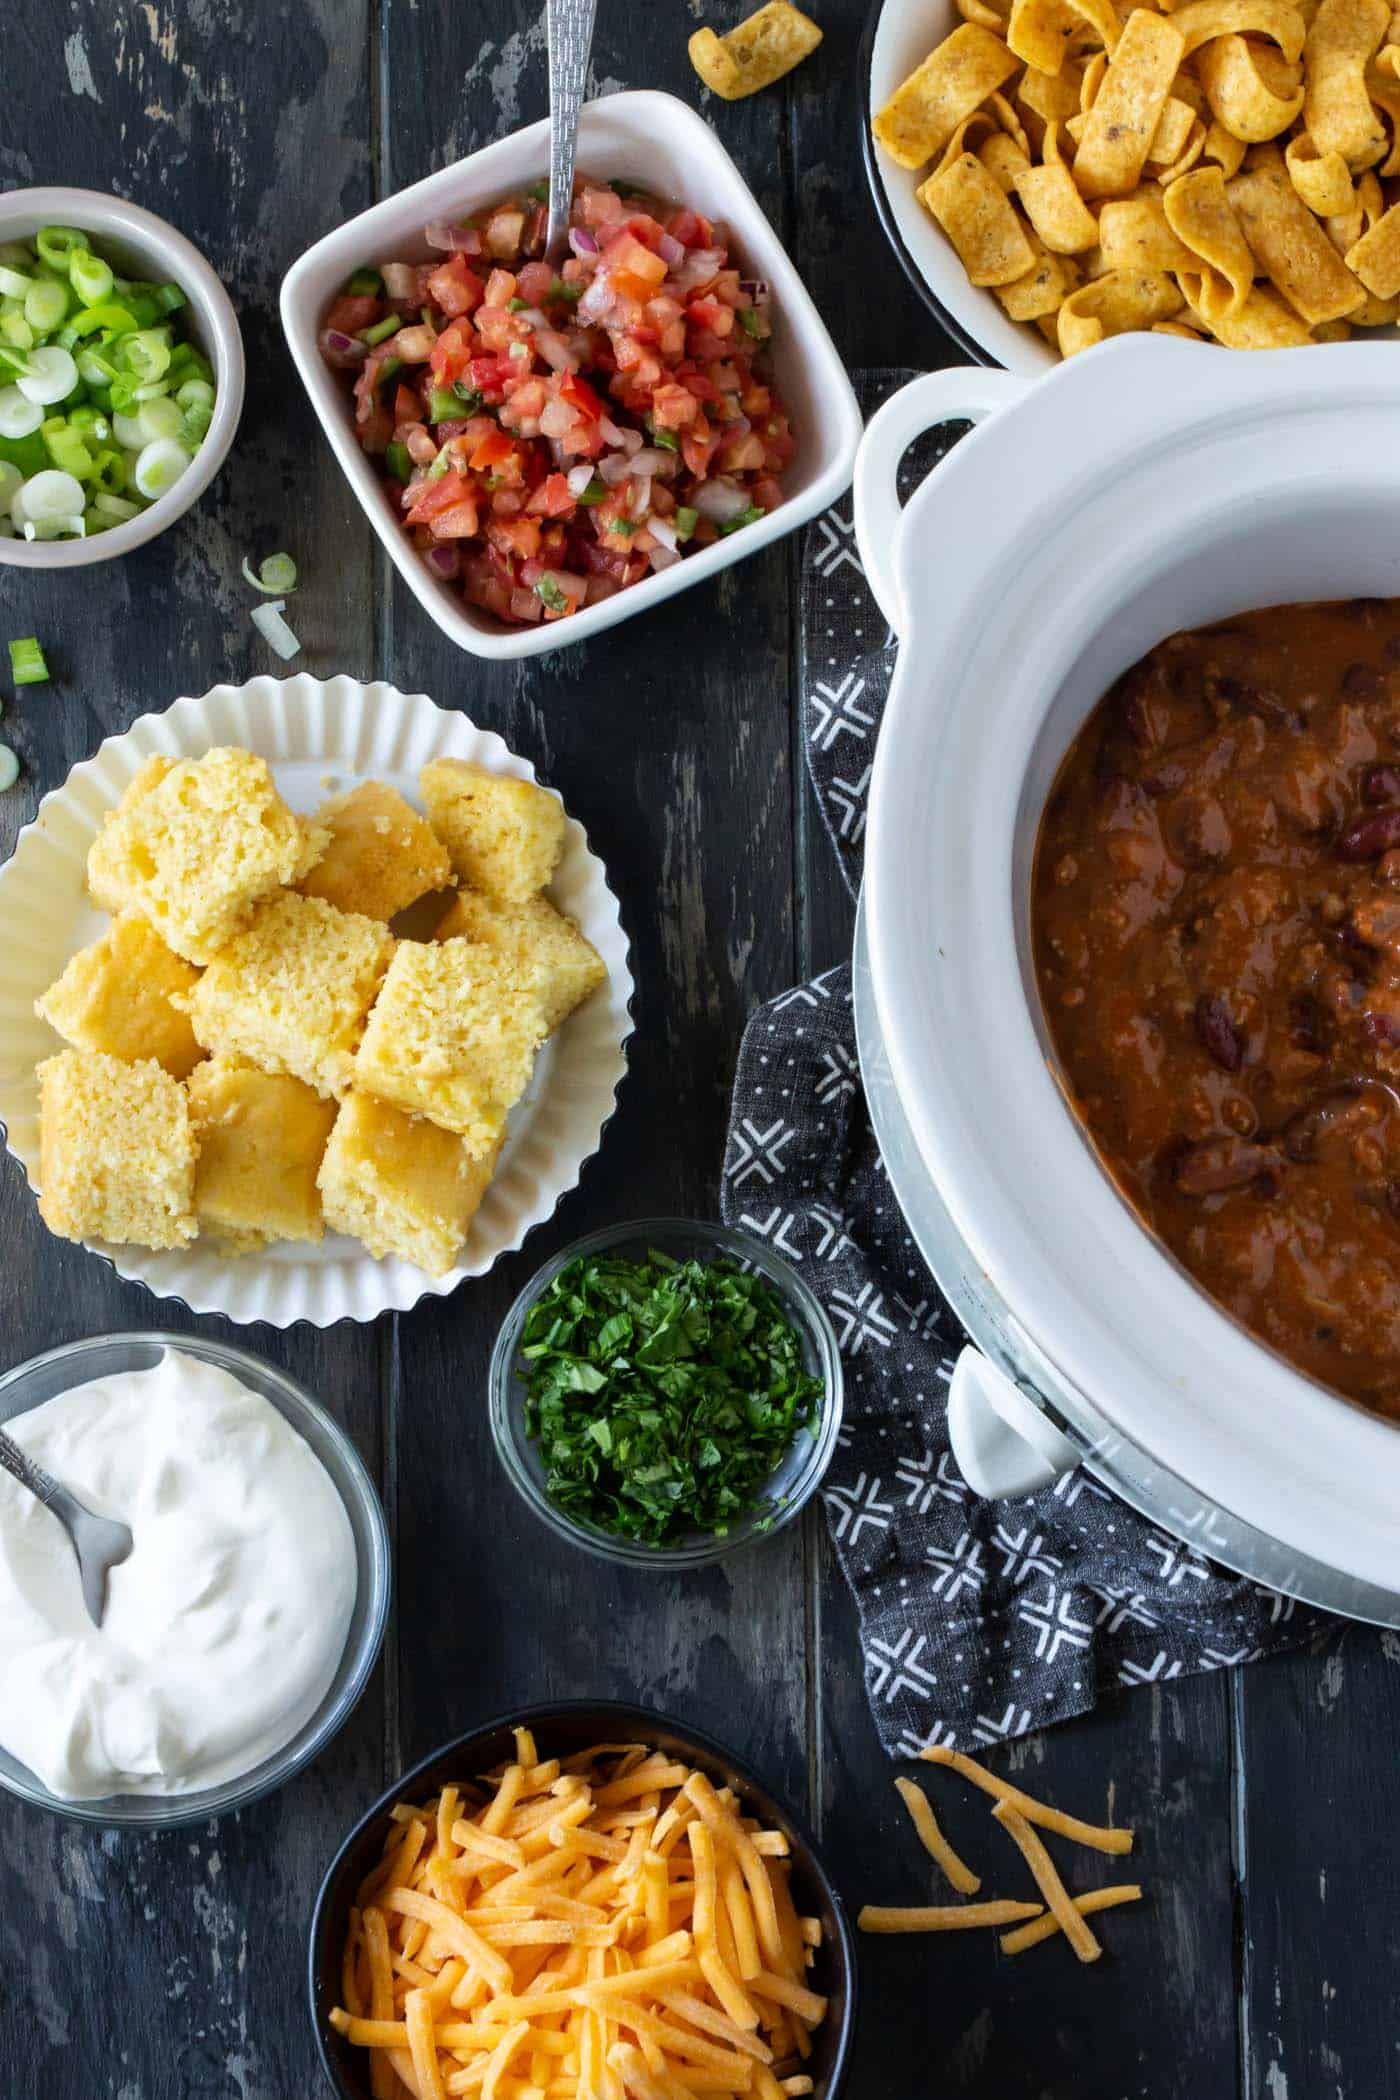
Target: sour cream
x=223, y=1629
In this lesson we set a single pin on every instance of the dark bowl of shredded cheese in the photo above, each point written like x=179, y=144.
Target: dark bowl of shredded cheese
x=666, y=1392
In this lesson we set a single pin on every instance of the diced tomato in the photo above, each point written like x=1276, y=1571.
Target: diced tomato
x=434, y=497
x=710, y=314
x=534, y=282
x=514, y=535
x=455, y=286
x=462, y=522
x=673, y=407
x=500, y=288
x=376, y=430
x=451, y=353
x=491, y=451
x=689, y=229
x=629, y=257
x=552, y=499
x=408, y=408
x=354, y=311
x=577, y=391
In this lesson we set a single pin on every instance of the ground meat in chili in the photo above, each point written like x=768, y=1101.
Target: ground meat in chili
x=1216, y=911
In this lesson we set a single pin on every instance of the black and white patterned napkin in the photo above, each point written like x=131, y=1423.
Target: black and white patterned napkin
x=979, y=1621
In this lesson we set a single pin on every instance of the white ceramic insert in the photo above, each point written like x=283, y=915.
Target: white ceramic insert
x=319, y=738
x=1147, y=486
x=648, y=138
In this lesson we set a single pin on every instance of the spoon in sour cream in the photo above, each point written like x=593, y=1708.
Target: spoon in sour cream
x=99, y=1543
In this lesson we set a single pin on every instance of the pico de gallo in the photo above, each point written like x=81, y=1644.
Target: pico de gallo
x=554, y=436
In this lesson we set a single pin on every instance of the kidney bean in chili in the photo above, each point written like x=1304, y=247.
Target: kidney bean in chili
x=1216, y=919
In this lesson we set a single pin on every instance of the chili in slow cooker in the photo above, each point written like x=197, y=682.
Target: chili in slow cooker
x=1216, y=920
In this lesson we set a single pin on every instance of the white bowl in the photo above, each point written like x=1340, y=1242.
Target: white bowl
x=905, y=33
x=318, y=738
x=1206, y=485
x=144, y=245
x=648, y=138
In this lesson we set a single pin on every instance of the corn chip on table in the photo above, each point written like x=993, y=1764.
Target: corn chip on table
x=171, y=1968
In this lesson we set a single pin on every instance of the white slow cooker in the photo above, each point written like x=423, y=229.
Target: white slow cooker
x=1147, y=486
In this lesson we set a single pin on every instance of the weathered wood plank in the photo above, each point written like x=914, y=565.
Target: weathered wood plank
x=1321, y=1947
x=172, y=1965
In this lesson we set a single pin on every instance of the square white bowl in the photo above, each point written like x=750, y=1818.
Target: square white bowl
x=659, y=142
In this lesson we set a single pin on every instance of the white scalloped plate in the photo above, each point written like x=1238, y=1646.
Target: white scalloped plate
x=319, y=737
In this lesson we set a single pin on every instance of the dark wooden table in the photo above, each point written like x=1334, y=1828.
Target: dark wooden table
x=1266, y=1963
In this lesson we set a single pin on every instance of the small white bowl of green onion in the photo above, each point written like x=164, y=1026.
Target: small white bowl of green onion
x=121, y=377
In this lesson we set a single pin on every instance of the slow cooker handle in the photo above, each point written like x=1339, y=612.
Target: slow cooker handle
x=965, y=393
x=1002, y=1442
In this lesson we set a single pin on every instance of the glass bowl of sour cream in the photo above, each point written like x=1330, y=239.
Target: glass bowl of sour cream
x=243, y=1627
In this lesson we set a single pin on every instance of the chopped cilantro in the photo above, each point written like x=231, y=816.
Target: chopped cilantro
x=515, y=306
x=469, y=396
x=750, y=323
x=570, y=293
x=667, y=439
x=662, y=1394
x=549, y=593
x=539, y=190
x=685, y=521
x=750, y=516
x=626, y=526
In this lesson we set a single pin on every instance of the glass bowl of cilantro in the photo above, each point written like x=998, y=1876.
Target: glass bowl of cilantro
x=663, y=1393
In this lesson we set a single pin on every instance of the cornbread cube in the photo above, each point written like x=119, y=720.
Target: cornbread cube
x=505, y=836
x=291, y=993
x=382, y=855
x=453, y=1037
x=116, y=1152
x=101, y=882
x=198, y=848
x=532, y=932
x=116, y=996
x=401, y=1185
x=261, y=1136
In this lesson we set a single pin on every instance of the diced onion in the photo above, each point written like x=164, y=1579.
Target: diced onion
x=50, y=375
x=555, y=351
x=400, y=281
x=719, y=500
x=578, y=479
x=460, y=240
x=664, y=531
x=444, y=561
x=9, y=768
x=274, y=629
x=533, y=315
x=18, y=416
x=581, y=241
x=556, y=417
x=341, y=350
x=649, y=460
x=158, y=467
x=670, y=250
x=664, y=557
x=614, y=468
x=48, y=496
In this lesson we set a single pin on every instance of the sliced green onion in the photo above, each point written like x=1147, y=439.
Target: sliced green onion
x=144, y=308
x=274, y=629
x=195, y=391
x=90, y=277
x=65, y=528
x=109, y=315
x=18, y=415
x=10, y=481
x=127, y=431
x=108, y=472
x=146, y=355
x=67, y=450
x=56, y=243
x=396, y=459
x=115, y=507
x=93, y=368
x=90, y=422
x=381, y=331
x=194, y=426
x=27, y=666
x=169, y=298
x=275, y=577
x=49, y=496
x=442, y=404
x=13, y=283
x=16, y=331
x=685, y=521
x=160, y=418
x=50, y=377
x=159, y=467
x=26, y=453
x=9, y=768
x=15, y=256
x=749, y=322
x=365, y=284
